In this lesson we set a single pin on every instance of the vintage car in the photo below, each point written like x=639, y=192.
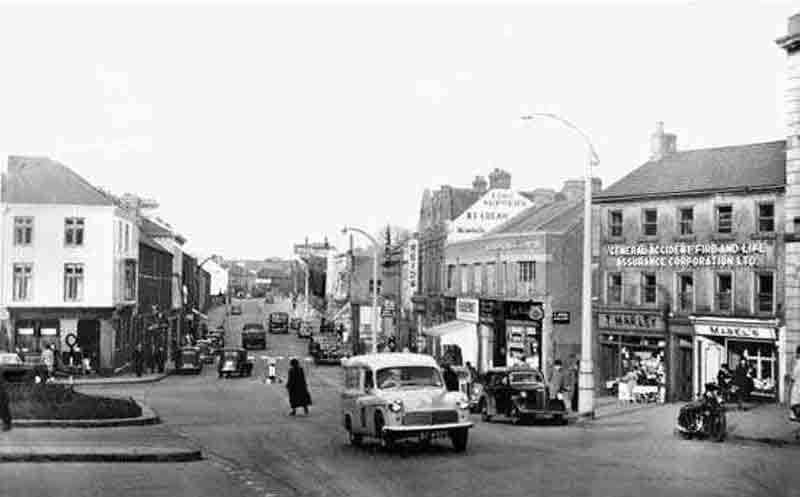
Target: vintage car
x=235, y=361
x=519, y=393
x=206, y=351
x=236, y=310
x=306, y=329
x=295, y=324
x=278, y=322
x=14, y=370
x=394, y=396
x=189, y=360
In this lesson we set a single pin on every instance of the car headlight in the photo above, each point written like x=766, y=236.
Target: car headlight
x=476, y=390
x=396, y=406
x=523, y=394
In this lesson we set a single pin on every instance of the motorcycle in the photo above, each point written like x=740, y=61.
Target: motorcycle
x=705, y=417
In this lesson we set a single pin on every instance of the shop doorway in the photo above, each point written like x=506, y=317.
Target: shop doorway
x=710, y=356
x=683, y=365
x=89, y=340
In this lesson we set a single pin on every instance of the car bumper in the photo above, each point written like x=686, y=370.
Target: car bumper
x=541, y=412
x=427, y=428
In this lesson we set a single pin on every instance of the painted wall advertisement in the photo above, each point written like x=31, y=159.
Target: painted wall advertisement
x=688, y=255
x=495, y=207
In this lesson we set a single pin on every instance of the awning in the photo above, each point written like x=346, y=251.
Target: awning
x=449, y=327
x=199, y=314
x=464, y=334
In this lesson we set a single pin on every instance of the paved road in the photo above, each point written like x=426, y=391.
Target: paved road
x=254, y=446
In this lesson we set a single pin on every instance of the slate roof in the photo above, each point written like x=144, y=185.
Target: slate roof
x=461, y=200
x=554, y=217
x=154, y=229
x=757, y=165
x=146, y=240
x=39, y=180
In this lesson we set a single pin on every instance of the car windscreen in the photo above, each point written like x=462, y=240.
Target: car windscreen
x=10, y=359
x=526, y=377
x=253, y=327
x=404, y=376
x=279, y=318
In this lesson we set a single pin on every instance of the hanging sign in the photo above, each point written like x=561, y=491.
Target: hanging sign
x=412, y=256
x=560, y=317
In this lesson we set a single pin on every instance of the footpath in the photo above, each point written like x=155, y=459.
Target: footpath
x=764, y=423
x=141, y=439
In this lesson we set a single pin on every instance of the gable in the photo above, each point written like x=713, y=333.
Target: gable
x=492, y=209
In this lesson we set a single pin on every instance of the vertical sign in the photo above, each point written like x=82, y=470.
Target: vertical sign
x=412, y=253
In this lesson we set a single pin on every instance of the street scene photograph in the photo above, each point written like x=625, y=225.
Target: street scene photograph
x=388, y=248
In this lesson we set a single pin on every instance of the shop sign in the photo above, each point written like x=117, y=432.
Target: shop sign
x=412, y=256
x=25, y=331
x=687, y=255
x=629, y=321
x=748, y=332
x=561, y=317
x=467, y=310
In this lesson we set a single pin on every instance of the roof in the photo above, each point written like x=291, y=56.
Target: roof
x=149, y=242
x=753, y=166
x=462, y=199
x=39, y=180
x=154, y=229
x=553, y=217
x=389, y=360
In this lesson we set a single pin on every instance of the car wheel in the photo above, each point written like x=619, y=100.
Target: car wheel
x=484, y=407
x=459, y=437
x=516, y=416
x=562, y=420
x=385, y=437
x=718, y=431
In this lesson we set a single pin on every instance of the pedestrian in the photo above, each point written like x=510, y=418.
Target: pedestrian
x=49, y=359
x=724, y=380
x=472, y=371
x=576, y=374
x=138, y=359
x=5, y=405
x=559, y=384
x=161, y=357
x=743, y=383
x=794, y=396
x=297, y=387
x=450, y=378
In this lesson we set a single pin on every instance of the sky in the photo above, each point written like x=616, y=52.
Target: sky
x=256, y=125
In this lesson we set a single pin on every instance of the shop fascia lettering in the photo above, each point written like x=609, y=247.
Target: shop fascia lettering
x=689, y=255
x=752, y=332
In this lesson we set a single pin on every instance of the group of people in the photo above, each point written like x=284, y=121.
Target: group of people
x=736, y=385
x=154, y=359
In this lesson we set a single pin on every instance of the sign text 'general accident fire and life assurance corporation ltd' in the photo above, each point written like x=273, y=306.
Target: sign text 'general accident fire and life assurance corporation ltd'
x=690, y=254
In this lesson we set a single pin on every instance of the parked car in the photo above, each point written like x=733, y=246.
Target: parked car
x=206, y=352
x=279, y=322
x=397, y=396
x=306, y=330
x=14, y=370
x=235, y=361
x=519, y=393
x=296, y=324
x=189, y=360
x=254, y=336
x=236, y=310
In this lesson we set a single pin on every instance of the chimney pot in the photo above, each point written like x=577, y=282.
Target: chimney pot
x=662, y=144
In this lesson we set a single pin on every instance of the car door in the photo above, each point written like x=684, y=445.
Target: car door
x=352, y=391
x=367, y=403
x=491, y=393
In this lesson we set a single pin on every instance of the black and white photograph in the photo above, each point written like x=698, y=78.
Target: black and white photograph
x=399, y=248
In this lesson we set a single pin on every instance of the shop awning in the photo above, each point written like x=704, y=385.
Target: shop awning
x=449, y=327
x=463, y=334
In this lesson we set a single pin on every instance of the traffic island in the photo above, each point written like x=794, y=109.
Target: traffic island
x=44, y=453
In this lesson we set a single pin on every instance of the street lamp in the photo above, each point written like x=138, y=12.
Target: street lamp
x=374, y=284
x=586, y=383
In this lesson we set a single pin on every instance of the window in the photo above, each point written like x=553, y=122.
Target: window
x=491, y=279
x=127, y=237
x=765, y=291
x=451, y=271
x=615, y=223
x=73, y=231
x=372, y=286
x=23, y=281
x=724, y=292
x=504, y=278
x=119, y=236
x=650, y=222
x=73, y=282
x=766, y=217
x=527, y=271
x=724, y=218
x=369, y=382
x=685, y=292
x=464, y=279
x=649, y=288
x=477, y=278
x=614, y=288
x=686, y=220
x=130, y=280
x=23, y=230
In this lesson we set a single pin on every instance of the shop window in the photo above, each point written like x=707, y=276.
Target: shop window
x=649, y=288
x=650, y=222
x=23, y=231
x=491, y=276
x=73, y=231
x=765, y=291
x=686, y=219
x=766, y=217
x=615, y=223
x=73, y=282
x=685, y=293
x=464, y=279
x=130, y=280
x=451, y=271
x=724, y=292
x=724, y=218
x=614, y=288
x=26, y=336
x=23, y=282
x=477, y=278
x=527, y=271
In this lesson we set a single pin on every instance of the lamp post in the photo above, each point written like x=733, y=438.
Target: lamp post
x=586, y=382
x=374, y=284
x=308, y=281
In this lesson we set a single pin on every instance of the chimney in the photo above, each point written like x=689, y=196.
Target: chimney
x=479, y=184
x=499, y=179
x=574, y=188
x=661, y=144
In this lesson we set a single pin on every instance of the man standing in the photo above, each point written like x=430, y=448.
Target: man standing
x=558, y=383
x=794, y=396
x=450, y=379
x=49, y=359
x=575, y=376
x=138, y=359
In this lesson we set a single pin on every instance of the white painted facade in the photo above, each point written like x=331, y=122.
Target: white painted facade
x=219, y=277
x=494, y=208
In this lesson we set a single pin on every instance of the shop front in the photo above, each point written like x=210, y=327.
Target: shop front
x=456, y=341
x=521, y=334
x=749, y=342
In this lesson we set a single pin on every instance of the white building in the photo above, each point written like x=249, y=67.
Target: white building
x=69, y=259
x=219, y=277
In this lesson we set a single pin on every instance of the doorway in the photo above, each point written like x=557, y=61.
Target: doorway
x=89, y=340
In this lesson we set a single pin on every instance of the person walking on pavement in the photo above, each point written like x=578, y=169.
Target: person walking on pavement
x=5, y=405
x=743, y=383
x=49, y=359
x=297, y=387
x=794, y=396
x=576, y=374
x=138, y=359
x=558, y=383
x=450, y=378
x=161, y=357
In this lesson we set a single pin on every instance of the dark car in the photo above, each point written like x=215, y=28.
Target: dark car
x=189, y=360
x=206, y=351
x=279, y=322
x=518, y=394
x=235, y=361
x=269, y=299
x=295, y=323
x=14, y=370
x=254, y=336
x=236, y=310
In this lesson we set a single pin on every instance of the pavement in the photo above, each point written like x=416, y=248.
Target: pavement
x=125, y=379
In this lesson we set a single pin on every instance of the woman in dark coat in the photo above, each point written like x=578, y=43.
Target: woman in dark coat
x=298, y=390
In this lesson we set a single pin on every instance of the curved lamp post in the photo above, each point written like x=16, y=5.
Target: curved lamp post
x=586, y=382
x=374, y=283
